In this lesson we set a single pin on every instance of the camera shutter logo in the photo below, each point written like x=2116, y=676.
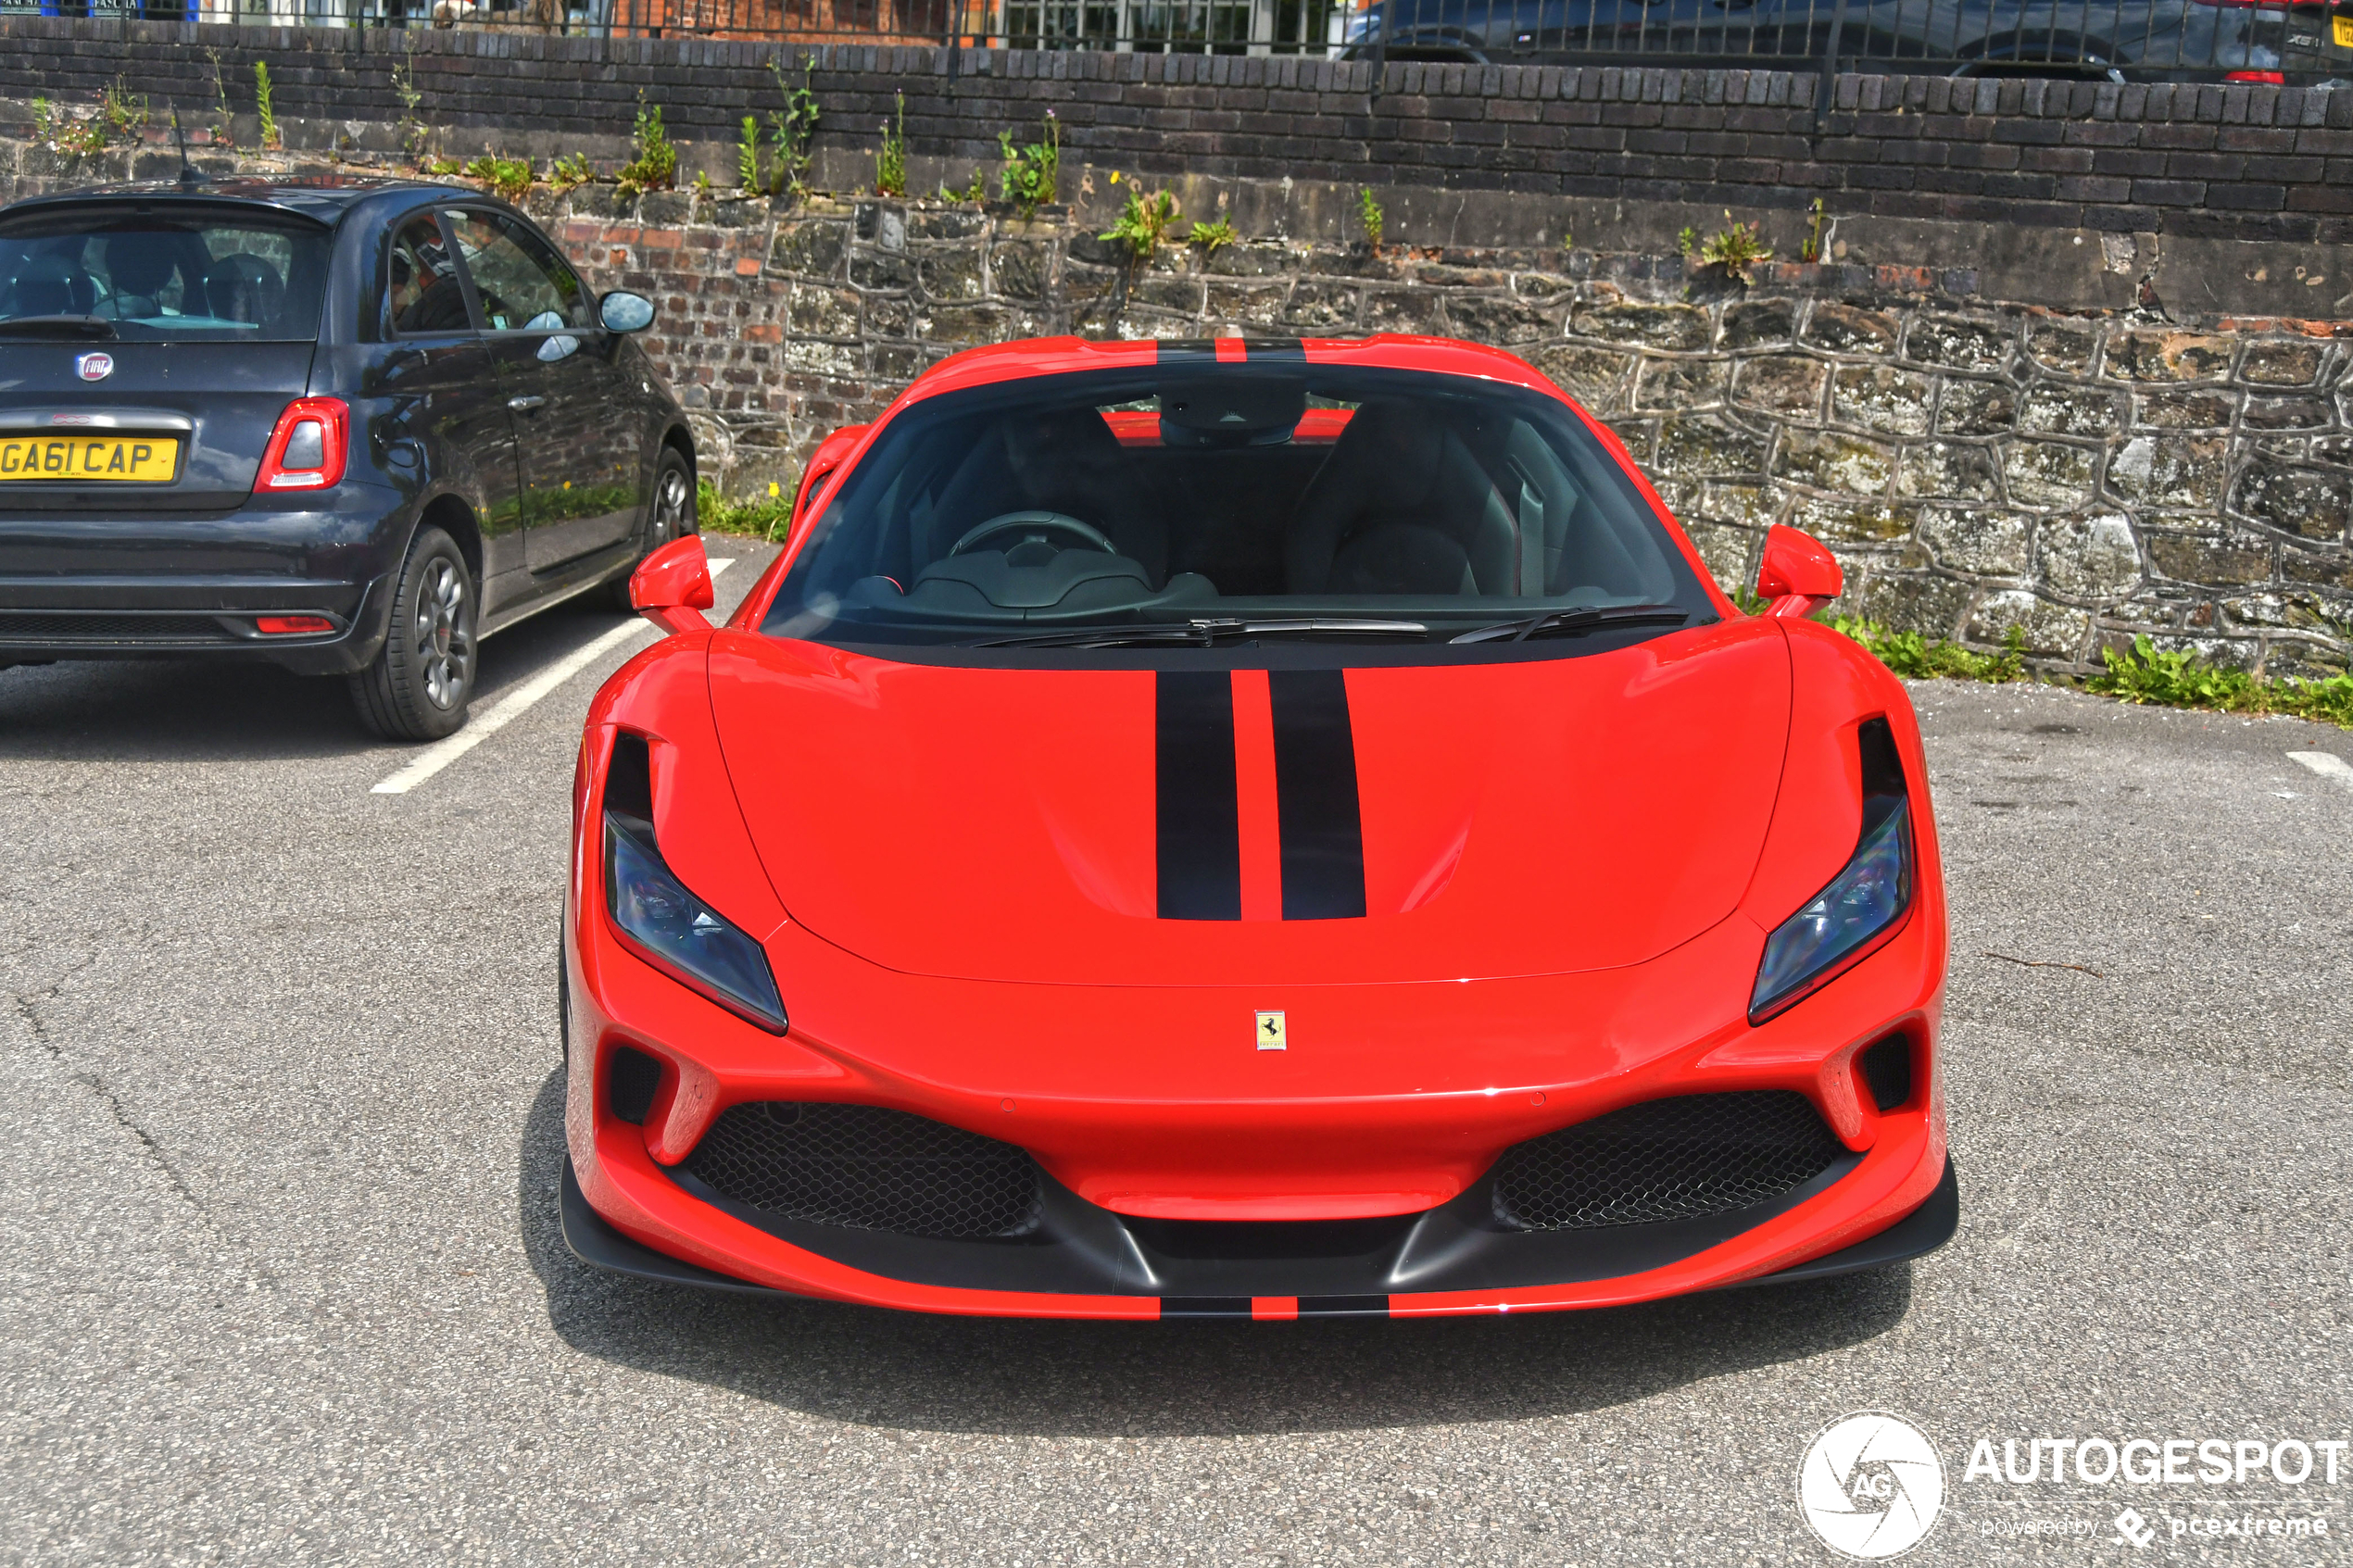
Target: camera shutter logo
x=1870, y=1486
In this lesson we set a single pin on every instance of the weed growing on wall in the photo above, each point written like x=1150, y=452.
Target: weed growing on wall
x=655, y=165
x=1210, y=236
x=264, y=108
x=507, y=177
x=1032, y=175
x=1372, y=215
x=748, y=157
x=568, y=173
x=890, y=164
x=793, y=131
x=223, y=120
x=1812, y=249
x=1736, y=248
x=1143, y=223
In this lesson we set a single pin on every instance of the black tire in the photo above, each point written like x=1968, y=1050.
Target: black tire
x=669, y=514
x=418, y=686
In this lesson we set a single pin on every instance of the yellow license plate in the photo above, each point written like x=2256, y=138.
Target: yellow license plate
x=79, y=460
x=2344, y=32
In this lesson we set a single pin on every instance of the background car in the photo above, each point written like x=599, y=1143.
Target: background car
x=350, y=426
x=1249, y=829
x=2099, y=38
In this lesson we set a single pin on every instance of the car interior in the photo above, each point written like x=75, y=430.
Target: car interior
x=161, y=277
x=1230, y=492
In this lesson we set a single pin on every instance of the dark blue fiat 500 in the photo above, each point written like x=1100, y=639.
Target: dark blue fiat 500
x=350, y=426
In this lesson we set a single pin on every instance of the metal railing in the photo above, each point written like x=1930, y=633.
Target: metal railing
x=2116, y=39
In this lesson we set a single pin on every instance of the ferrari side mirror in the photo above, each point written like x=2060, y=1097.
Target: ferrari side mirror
x=671, y=587
x=828, y=456
x=1798, y=575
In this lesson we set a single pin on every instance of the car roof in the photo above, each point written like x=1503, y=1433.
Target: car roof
x=325, y=197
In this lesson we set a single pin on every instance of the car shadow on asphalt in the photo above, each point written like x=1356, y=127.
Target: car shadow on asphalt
x=210, y=710
x=1042, y=1378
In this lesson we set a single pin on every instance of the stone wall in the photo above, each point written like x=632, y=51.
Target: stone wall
x=1979, y=465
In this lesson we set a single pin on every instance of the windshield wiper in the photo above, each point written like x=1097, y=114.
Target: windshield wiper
x=1206, y=632
x=69, y=326
x=1575, y=622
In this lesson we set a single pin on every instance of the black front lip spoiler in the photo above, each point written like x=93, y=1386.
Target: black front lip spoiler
x=597, y=1244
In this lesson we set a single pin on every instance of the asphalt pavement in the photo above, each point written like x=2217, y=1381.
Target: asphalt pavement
x=282, y=1280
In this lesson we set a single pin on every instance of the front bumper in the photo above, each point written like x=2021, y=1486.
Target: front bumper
x=1163, y=1202
x=597, y=1244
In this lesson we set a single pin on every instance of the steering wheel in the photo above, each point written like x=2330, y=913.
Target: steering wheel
x=1095, y=538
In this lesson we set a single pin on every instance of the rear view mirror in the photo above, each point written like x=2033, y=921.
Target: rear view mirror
x=1798, y=575
x=621, y=311
x=672, y=588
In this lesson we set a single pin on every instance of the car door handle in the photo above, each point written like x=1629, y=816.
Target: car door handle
x=525, y=404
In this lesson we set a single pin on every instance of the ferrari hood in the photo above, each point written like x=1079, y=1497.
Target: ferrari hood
x=1142, y=827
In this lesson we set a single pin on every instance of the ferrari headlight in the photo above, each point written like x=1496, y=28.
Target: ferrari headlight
x=680, y=932
x=1863, y=901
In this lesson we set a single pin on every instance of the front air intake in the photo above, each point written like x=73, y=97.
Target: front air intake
x=1665, y=1159
x=868, y=1167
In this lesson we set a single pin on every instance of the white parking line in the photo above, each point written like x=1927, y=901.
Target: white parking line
x=482, y=726
x=2327, y=764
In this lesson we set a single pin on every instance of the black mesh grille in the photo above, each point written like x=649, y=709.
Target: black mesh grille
x=70, y=628
x=1887, y=1070
x=869, y=1167
x=1665, y=1159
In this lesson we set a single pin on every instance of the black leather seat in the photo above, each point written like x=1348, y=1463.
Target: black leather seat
x=1399, y=508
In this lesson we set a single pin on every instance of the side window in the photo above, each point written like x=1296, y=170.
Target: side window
x=420, y=291
x=523, y=286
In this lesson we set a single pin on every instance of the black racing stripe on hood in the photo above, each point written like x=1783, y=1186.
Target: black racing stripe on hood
x=1275, y=351
x=1186, y=351
x=1198, y=826
x=1316, y=795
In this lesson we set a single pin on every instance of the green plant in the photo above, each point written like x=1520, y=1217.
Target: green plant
x=222, y=119
x=124, y=112
x=703, y=182
x=1736, y=248
x=793, y=130
x=765, y=517
x=1143, y=223
x=890, y=164
x=1812, y=249
x=61, y=129
x=262, y=106
x=1917, y=657
x=1210, y=236
x=444, y=168
x=748, y=157
x=1686, y=242
x=654, y=167
x=2180, y=678
x=1370, y=214
x=507, y=177
x=568, y=173
x=1031, y=176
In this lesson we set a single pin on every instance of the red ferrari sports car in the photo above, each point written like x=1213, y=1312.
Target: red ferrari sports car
x=1250, y=829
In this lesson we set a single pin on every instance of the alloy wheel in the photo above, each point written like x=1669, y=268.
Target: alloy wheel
x=445, y=641
x=670, y=508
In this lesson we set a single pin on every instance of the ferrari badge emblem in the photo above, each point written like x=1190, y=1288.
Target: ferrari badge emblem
x=1270, y=1032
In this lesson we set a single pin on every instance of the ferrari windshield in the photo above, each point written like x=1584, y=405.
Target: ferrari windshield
x=1212, y=502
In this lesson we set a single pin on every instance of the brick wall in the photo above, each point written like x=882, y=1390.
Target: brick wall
x=2234, y=162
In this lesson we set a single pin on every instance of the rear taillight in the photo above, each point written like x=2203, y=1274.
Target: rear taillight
x=2261, y=78
x=292, y=626
x=306, y=450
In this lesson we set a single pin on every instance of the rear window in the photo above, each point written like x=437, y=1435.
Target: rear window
x=237, y=275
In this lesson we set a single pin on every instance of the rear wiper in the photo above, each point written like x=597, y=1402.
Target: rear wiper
x=1575, y=622
x=71, y=326
x=1207, y=632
